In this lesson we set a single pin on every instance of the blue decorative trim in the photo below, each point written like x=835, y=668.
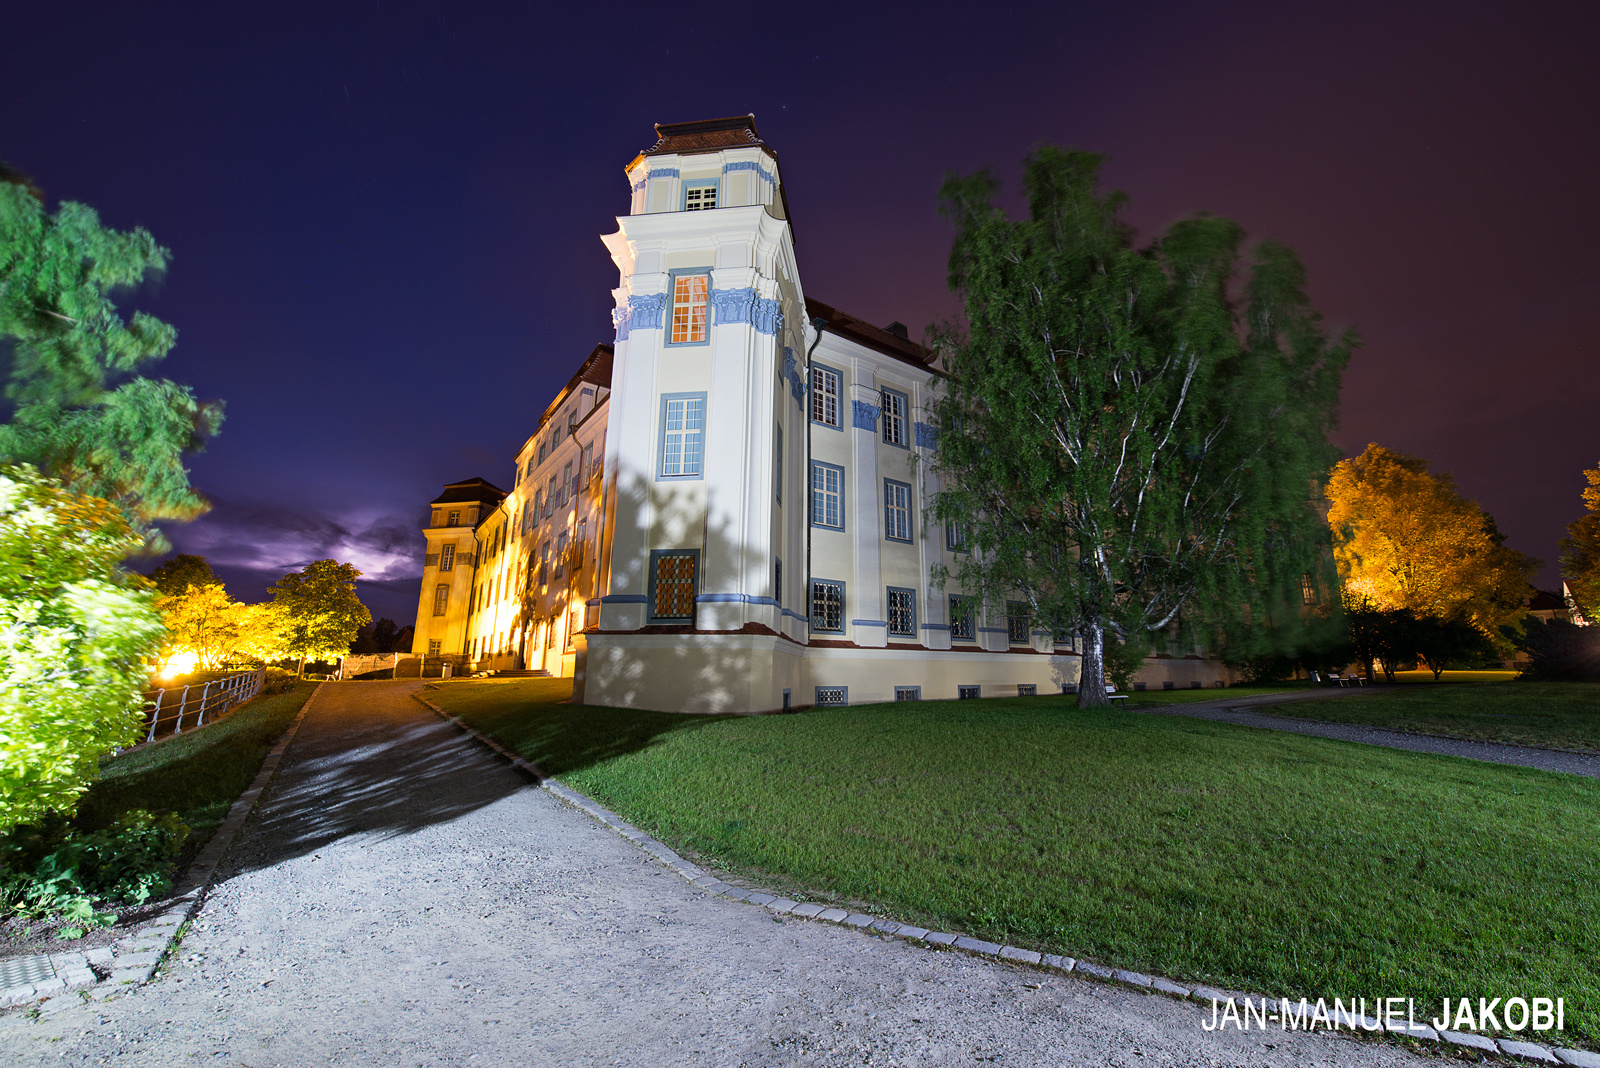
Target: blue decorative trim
x=927, y=436
x=622, y=598
x=869, y=623
x=993, y=630
x=750, y=165
x=743, y=306
x=791, y=371
x=664, y=172
x=641, y=183
x=645, y=311
x=734, y=598
x=864, y=416
x=792, y=614
x=936, y=626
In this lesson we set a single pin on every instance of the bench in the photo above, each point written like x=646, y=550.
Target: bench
x=1113, y=695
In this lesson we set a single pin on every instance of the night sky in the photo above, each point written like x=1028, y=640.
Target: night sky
x=385, y=216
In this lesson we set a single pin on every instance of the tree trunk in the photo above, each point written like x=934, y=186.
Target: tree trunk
x=301, y=671
x=1092, y=677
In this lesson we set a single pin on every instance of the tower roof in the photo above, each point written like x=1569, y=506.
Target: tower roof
x=471, y=491
x=706, y=135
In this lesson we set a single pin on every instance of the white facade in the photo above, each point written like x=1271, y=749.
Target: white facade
x=761, y=533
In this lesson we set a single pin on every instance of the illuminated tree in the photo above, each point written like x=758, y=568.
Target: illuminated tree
x=202, y=620
x=1405, y=538
x=319, y=610
x=1580, y=552
x=78, y=412
x=76, y=636
x=1131, y=436
x=180, y=573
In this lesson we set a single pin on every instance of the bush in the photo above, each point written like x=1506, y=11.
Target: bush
x=277, y=680
x=1558, y=651
x=57, y=868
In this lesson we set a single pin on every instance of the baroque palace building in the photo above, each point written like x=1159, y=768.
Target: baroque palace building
x=726, y=511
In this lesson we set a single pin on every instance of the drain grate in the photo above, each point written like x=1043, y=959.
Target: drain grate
x=24, y=971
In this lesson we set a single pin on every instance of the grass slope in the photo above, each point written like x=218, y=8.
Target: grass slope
x=197, y=774
x=1564, y=715
x=1203, y=851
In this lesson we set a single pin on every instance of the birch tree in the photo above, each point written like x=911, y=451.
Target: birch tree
x=1132, y=437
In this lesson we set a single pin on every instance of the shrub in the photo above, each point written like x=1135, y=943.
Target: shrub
x=1558, y=651
x=56, y=868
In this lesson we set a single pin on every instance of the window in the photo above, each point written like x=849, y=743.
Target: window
x=902, y=612
x=777, y=463
x=955, y=537
x=555, y=437
x=689, y=293
x=541, y=451
x=529, y=514
x=908, y=693
x=777, y=582
x=1308, y=590
x=963, y=619
x=561, y=553
x=968, y=693
x=827, y=606
x=1027, y=689
x=1066, y=640
x=1017, y=622
x=435, y=646
x=828, y=696
x=672, y=584
x=895, y=408
x=827, y=495
x=699, y=196
x=683, y=435
x=455, y=520
x=569, y=486
x=896, y=510
x=441, y=599
x=447, y=557
x=575, y=625
x=580, y=547
x=825, y=396
x=544, y=561
x=550, y=497
x=586, y=472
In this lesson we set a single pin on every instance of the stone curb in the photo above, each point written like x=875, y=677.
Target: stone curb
x=134, y=960
x=704, y=880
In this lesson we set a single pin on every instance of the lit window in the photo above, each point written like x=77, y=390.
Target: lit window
x=455, y=520
x=824, y=396
x=683, y=432
x=435, y=646
x=1308, y=590
x=827, y=606
x=827, y=495
x=699, y=196
x=672, y=585
x=902, y=613
x=894, y=417
x=963, y=619
x=896, y=510
x=447, y=557
x=574, y=626
x=689, y=308
x=441, y=599
x=1017, y=622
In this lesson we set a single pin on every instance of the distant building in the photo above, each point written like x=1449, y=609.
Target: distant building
x=727, y=509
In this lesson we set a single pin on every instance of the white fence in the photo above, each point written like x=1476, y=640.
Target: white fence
x=194, y=703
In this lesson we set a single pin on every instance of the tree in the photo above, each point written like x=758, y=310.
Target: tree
x=205, y=621
x=383, y=634
x=1445, y=643
x=79, y=414
x=181, y=573
x=1558, y=651
x=1406, y=538
x=76, y=635
x=1130, y=437
x=1580, y=552
x=319, y=609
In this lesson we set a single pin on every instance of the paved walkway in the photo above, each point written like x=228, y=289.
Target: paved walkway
x=404, y=898
x=1238, y=710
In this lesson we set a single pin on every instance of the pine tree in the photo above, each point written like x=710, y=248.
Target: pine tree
x=79, y=412
x=1132, y=436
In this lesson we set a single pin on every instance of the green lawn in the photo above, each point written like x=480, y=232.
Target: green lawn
x=1202, y=851
x=199, y=773
x=1564, y=715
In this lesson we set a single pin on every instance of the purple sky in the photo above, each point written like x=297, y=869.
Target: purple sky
x=385, y=216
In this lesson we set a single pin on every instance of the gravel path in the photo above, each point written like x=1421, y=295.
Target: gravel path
x=1237, y=710
x=404, y=898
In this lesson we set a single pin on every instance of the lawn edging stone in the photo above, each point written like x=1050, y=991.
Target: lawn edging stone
x=134, y=960
x=703, y=880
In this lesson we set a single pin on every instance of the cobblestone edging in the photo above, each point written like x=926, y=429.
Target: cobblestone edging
x=776, y=903
x=135, y=958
